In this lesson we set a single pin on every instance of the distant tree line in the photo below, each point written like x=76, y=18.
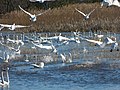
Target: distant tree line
x=10, y=5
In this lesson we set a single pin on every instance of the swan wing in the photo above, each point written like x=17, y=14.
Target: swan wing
x=1, y=27
x=94, y=41
x=91, y=12
x=116, y=3
x=42, y=13
x=80, y=12
x=33, y=0
x=20, y=26
x=25, y=11
x=5, y=25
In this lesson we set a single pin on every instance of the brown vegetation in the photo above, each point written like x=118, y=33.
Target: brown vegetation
x=68, y=19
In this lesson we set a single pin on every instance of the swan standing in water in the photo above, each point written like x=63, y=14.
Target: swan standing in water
x=13, y=26
x=33, y=17
x=4, y=71
x=87, y=16
x=4, y=83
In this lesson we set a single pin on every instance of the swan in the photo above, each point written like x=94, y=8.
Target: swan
x=4, y=83
x=74, y=39
x=40, y=1
x=26, y=60
x=66, y=59
x=63, y=57
x=106, y=41
x=38, y=65
x=114, y=46
x=58, y=38
x=13, y=26
x=51, y=47
x=33, y=17
x=110, y=3
x=97, y=43
x=87, y=16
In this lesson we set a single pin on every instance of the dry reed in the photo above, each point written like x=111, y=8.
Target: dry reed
x=67, y=19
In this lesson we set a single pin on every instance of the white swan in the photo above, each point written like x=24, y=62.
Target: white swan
x=51, y=47
x=110, y=3
x=114, y=46
x=66, y=59
x=13, y=26
x=87, y=16
x=4, y=83
x=63, y=58
x=38, y=65
x=74, y=39
x=41, y=1
x=33, y=17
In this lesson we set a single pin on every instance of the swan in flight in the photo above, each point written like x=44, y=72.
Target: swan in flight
x=4, y=83
x=33, y=17
x=40, y=1
x=12, y=27
x=110, y=3
x=87, y=16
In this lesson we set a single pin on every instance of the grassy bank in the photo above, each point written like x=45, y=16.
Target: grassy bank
x=68, y=19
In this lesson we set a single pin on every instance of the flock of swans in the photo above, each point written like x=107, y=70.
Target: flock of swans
x=12, y=47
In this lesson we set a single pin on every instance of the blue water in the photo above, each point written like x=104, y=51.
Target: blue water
x=73, y=76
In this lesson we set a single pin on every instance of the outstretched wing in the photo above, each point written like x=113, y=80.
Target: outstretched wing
x=25, y=11
x=33, y=0
x=91, y=12
x=20, y=26
x=5, y=25
x=42, y=13
x=116, y=3
x=80, y=12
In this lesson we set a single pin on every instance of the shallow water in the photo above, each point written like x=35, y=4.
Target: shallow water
x=103, y=74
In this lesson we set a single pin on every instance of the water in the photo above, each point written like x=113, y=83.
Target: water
x=102, y=74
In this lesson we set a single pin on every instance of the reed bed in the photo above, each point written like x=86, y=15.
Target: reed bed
x=66, y=19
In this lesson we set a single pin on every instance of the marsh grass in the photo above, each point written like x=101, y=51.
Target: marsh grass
x=67, y=19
